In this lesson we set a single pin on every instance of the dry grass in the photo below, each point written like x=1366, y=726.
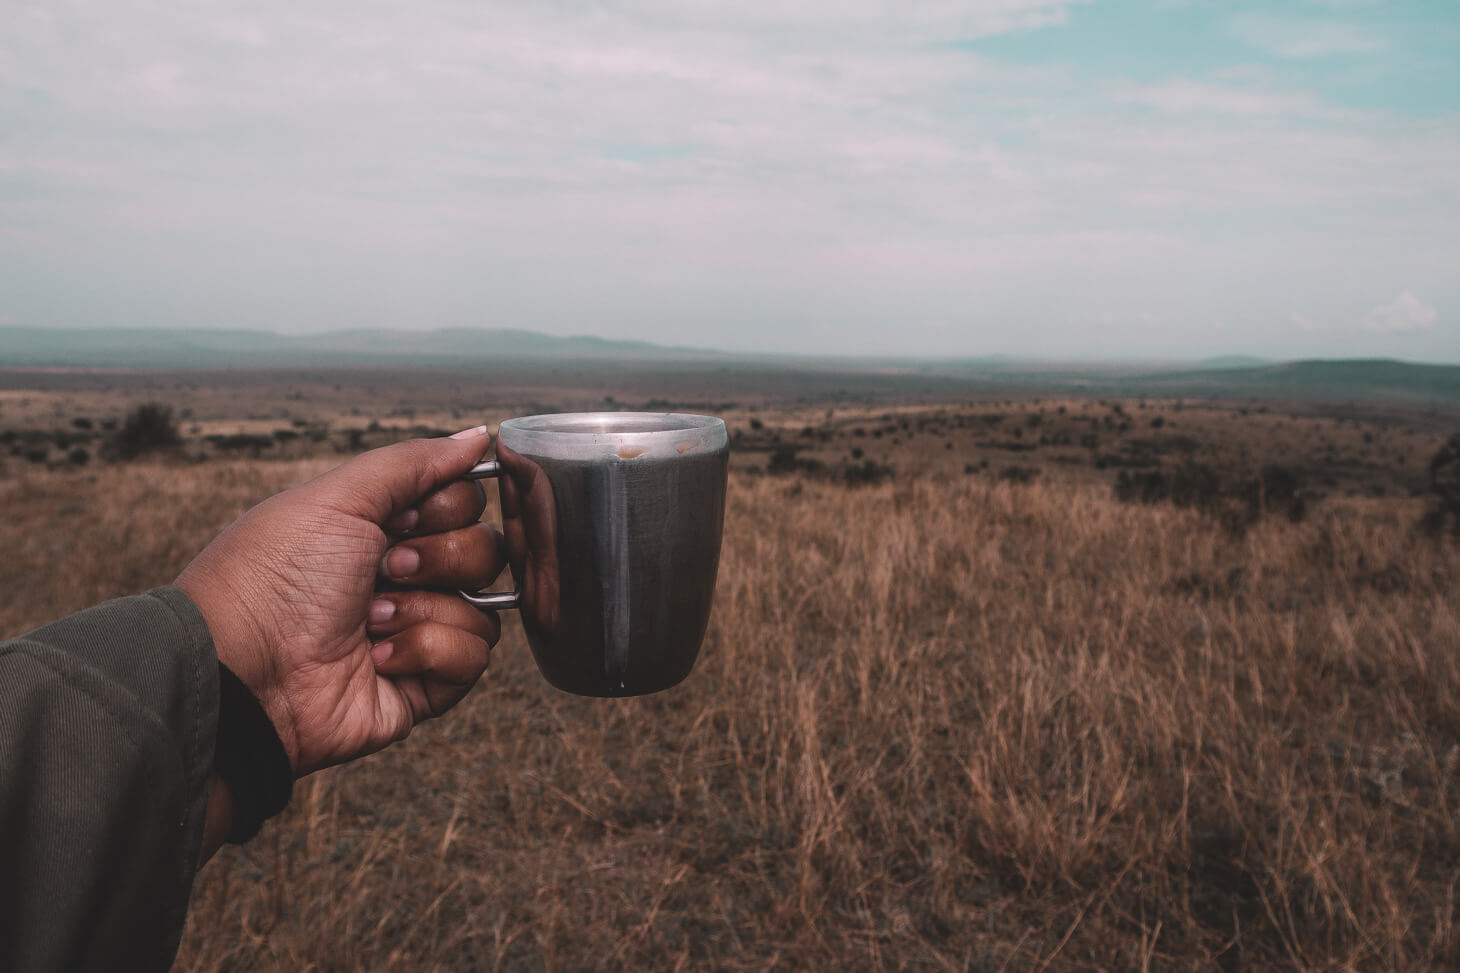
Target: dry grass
x=953, y=724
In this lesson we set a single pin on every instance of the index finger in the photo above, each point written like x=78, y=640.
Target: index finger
x=391, y=479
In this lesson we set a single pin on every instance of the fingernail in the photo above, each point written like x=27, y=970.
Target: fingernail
x=401, y=562
x=471, y=433
x=404, y=520
x=381, y=610
x=381, y=652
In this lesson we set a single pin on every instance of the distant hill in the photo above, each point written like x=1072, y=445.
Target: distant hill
x=1377, y=378
x=1226, y=377
x=1366, y=380
x=1233, y=361
x=169, y=349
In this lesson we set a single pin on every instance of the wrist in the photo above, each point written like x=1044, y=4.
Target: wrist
x=243, y=649
x=249, y=758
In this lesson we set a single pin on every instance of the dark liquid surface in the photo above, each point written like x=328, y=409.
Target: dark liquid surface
x=638, y=550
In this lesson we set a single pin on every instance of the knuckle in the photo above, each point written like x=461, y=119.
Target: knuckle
x=483, y=551
x=451, y=552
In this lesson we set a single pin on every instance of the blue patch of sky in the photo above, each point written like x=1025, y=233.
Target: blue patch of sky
x=1413, y=70
x=1121, y=39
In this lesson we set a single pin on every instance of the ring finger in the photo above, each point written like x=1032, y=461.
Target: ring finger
x=395, y=611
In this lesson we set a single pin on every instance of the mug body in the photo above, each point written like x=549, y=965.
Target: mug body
x=620, y=604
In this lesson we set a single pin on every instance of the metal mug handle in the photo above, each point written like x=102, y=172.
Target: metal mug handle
x=496, y=600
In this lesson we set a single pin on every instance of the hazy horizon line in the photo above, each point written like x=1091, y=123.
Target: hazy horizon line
x=1238, y=358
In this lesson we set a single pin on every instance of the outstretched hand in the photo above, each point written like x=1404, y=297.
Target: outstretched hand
x=326, y=600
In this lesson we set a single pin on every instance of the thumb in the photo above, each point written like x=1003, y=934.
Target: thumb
x=385, y=481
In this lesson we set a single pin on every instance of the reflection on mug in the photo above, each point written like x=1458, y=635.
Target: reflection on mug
x=530, y=524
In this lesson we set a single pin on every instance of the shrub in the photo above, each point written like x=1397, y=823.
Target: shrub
x=1019, y=474
x=783, y=460
x=869, y=473
x=241, y=441
x=1237, y=502
x=1444, y=509
x=148, y=428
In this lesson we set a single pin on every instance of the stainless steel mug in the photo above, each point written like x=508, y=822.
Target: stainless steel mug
x=613, y=523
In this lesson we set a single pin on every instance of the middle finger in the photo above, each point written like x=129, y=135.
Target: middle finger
x=470, y=557
x=454, y=505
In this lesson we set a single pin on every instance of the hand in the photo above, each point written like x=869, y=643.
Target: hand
x=295, y=589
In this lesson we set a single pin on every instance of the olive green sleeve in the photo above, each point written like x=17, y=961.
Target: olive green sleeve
x=107, y=724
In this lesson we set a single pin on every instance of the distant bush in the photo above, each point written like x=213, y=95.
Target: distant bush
x=1443, y=514
x=869, y=473
x=148, y=428
x=783, y=460
x=240, y=441
x=1019, y=474
x=1236, y=501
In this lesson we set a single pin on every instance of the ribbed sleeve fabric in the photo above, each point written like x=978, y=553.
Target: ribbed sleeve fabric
x=107, y=724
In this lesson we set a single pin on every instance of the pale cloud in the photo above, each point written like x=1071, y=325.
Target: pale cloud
x=1405, y=313
x=1304, y=37
x=1184, y=96
x=1302, y=320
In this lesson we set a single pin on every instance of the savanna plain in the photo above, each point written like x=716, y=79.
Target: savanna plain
x=992, y=683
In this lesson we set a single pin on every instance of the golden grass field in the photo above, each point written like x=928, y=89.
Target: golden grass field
x=947, y=721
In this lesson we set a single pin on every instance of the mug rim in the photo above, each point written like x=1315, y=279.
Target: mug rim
x=621, y=435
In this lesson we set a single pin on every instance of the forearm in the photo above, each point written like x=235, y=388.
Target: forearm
x=107, y=722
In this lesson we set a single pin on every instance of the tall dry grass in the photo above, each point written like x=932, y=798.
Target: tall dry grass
x=936, y=725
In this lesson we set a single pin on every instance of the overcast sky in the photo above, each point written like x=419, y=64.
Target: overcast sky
x=1067, y=179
